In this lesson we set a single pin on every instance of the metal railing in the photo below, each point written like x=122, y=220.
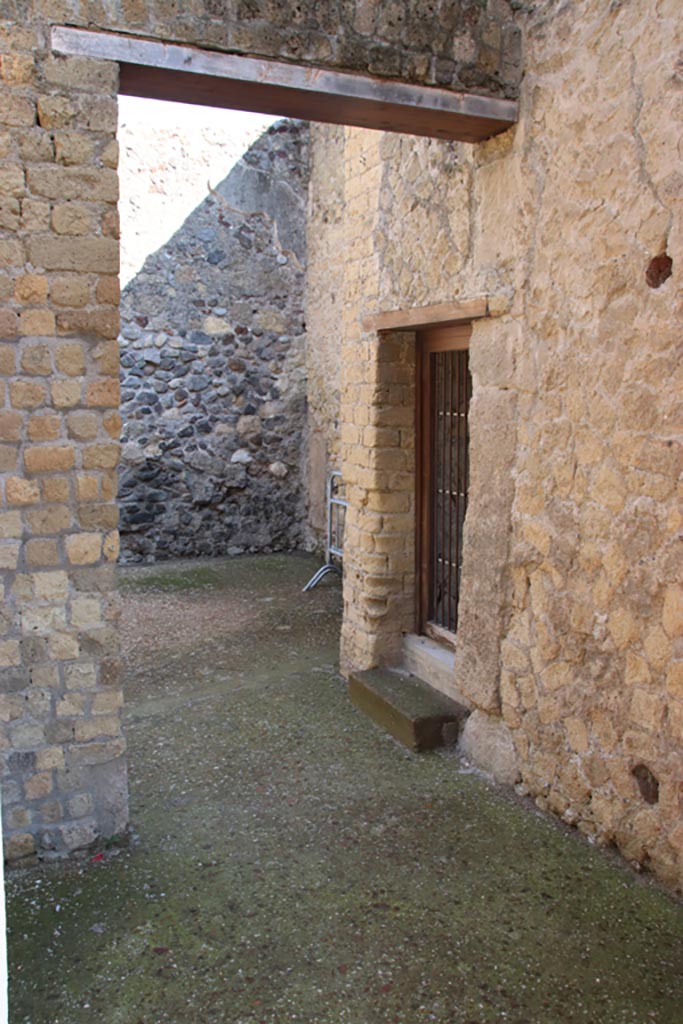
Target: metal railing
x=336, y=518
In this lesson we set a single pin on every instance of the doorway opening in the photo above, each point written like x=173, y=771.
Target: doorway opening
x=443, y=397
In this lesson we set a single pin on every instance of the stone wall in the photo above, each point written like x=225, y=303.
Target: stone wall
x=571, y=615
x=467, y=45
x=59, y=706
x=59, y=321
x=324, y=303
x=213, y=368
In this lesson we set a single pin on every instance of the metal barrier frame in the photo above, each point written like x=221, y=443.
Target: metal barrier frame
x=336, y=518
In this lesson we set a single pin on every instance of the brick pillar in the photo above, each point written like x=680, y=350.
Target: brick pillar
x=60, y=732
x=378, y=442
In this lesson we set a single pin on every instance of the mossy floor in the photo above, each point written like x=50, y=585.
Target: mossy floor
x=292, y=864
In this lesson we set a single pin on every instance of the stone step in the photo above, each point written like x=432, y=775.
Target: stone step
x=405, y=706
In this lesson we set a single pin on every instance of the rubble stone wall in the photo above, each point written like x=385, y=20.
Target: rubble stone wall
x=571, y=616
x=213, y=393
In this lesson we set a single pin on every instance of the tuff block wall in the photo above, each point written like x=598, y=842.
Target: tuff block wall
x=571, y=614
x=60, y=699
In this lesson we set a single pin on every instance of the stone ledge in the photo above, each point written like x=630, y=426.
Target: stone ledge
x=411, y=711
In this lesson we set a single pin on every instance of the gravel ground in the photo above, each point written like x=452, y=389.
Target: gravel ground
x=289, y=863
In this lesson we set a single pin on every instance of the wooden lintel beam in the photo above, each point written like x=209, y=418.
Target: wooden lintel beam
x=419, y=317
x=187, y=74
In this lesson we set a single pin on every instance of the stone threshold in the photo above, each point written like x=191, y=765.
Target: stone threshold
x=407, y=708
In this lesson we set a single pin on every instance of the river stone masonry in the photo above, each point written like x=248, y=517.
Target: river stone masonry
x=213, y=380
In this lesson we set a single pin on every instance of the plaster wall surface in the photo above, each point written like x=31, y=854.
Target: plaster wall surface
x=571, y=614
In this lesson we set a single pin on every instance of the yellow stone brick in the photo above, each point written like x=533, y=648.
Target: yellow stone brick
x=44, y=427
x=10, y=525
x=55, y=488
x=27, y=394
x=108, y=290
x=20, y=491
x=101, y=456
x=37, y=322
x=49, y=458
x=50, y=758
x=86, y=611
x=10, y=653
x=102, y=725
x=9, y=455
x=73, y=148
x=87, y=487
x=82, y=425
x=103, y=393
x=50, y=586
x=55, y=111
x=63, y=646
x=73, y=219
x=109, y=484
x=70, y=359
x=8, y=360
x=41, y=552
x=38, y=786
x=45, y=521
x=107, y=358
x=32, y=288
x=557, y=675
x=84, y=548
x=10, y=426
x=71, y=290
x=65, y=393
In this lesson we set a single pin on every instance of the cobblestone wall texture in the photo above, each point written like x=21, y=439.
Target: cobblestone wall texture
x=213, y=368
x=571, y=616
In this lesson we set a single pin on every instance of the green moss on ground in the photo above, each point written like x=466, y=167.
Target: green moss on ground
x=292, y=864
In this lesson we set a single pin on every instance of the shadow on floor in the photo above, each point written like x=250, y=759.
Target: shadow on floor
x=292, y=864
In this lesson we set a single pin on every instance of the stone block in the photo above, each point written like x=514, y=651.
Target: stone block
x=103, y=394
x=65, y=393
x=37, y=321
x=19, y=846
x=70, y=290
x=63, y=252
x=83, y=548
x=49, y=458
x=487, y=742
x=27, y=394
x=101, y=456
x=41, y=553
x=55, y=488
x=412, y=712
x=22, y=492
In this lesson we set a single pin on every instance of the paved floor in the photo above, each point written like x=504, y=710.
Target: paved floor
x=292, y=864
